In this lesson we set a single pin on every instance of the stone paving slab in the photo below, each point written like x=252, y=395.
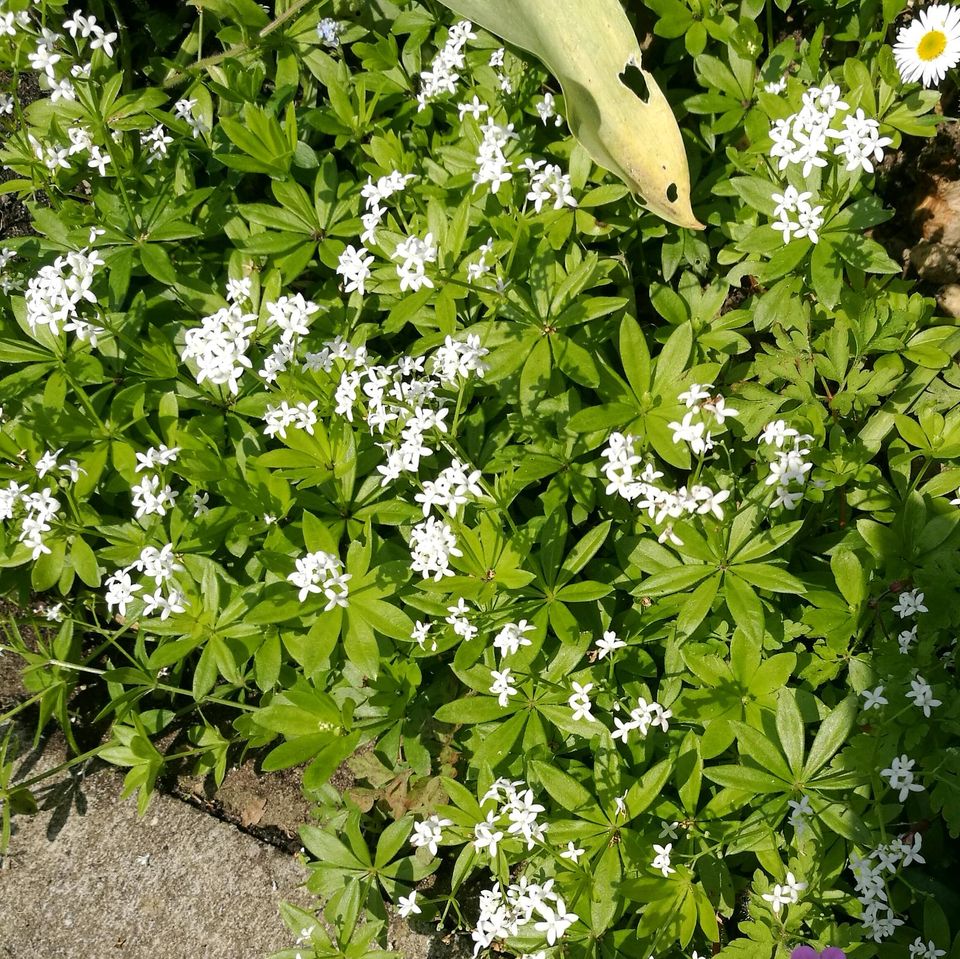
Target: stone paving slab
x=87, y=879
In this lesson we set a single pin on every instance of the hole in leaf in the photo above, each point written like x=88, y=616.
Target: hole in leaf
x=672, y=193
x=633, y=79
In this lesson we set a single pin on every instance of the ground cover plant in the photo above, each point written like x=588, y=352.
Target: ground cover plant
x=354, y=418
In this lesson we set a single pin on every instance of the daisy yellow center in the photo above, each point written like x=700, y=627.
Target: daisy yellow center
x=931, y=45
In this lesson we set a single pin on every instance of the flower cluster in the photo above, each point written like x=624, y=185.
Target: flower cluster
x=808, y=220
x=785, y=894
x=801, y=138
x=185, y=110
x=55, y=295
x=155, y=141
x=39, y=508
x=493, y=167
x=525, y=904
x=375, y=195
x=161, y=566
x=642, y=717
x=703, y=409
x=900, y=776
x=442, y=76
x=414, y=255
x=301, y=416
x=869, y=872
x=219, y=346
x=548, y=184
x=452, y=489
x=432, y=543
x=149, y=497
x=429, y=833
x=804, y=139
x=789, y=467
x=518, y=807
x=639, y=486
x=291, y=315
x=321, y=572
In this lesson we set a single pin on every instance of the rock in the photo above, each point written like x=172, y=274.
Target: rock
x=936, y=262
x=938, y=214
x=948, y=299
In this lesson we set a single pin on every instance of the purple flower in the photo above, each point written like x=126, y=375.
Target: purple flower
x=808, y=952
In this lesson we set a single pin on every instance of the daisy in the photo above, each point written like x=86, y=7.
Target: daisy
x=929, y=46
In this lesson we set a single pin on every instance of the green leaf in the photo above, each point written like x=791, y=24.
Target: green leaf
x=753, y=744
x=473, y=709
x=790, y=729
x=672, y=361
x=391, y=841
x=694, y=610
x=831, y=735
x=673, y=580
x=850, y=576
x=744, y=606
x=647, y=789
x=634, y=356
x=563, y=788
x=745, y=778
x=584, y=551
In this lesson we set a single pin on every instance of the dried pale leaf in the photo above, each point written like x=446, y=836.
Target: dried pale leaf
x=590, y=47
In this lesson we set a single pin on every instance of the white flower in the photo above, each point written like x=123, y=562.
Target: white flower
x=511, y=637
x=860, y=142
x=929, y=46
x=900, y=775
x=502, y=686
x=906, y=639
x=910, y=603
x=691, y=398
x=159, y=564
x=219, y=346
x=572, y=852
x=47, y=462
x=415, y=255
x=579, y=702
x=873, y=698
x=555, y=921
x=609, y=643
x=429, y=833
x=551, y=184
x=776, y=433
x=354, y=266
x=919, y=950
x=407, y=905
x=776, y=86
x=921, y=694
x=155, y=456
x=120, y=591
x=432, y=543
x=475, y=108
x=486, y=836
x=547, y=109
x=662, y=859
x=149, y=498
x=321, y=572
